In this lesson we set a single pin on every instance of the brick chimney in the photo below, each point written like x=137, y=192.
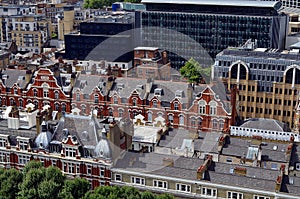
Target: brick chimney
x=165, y=57
x=256, y=140
x=240, y=171
x=203, y=168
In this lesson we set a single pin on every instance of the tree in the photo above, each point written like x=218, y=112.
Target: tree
x=75, y=188
x=9, y=183
x=95, y=4
x=194, y=72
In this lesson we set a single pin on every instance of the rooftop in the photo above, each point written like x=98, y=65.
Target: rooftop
x=263, y=4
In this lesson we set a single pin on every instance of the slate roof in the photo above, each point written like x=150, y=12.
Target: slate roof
x=130, y=84
x=266, y=124
x=15, y=76
x=186, y=168
x=86, y=83
x=207, y=142
x=174, y=138
x=239, y=147
x=84, y=128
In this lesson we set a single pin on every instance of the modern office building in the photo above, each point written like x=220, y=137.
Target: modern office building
x=82, y=45
x=268, y=80
x=214, y=24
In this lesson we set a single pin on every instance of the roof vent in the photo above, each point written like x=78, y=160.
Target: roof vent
x=275, y=148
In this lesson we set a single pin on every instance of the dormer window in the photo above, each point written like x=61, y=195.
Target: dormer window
x=23, y=145
x=120, y=86
x=158, y=92
x=176, y=106
x=70, y=152
x=154, y=104
x=139, y=88
x=179, y=93
x=16, y=91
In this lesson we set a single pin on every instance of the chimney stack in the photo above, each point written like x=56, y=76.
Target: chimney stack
x=38, y=122
x=28, y=76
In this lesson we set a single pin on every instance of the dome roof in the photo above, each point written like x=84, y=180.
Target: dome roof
x=43, y=139
x=103, y=150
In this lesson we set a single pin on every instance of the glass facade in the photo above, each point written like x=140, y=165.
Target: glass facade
x=214, y=31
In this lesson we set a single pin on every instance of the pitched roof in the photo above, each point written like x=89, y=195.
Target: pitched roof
x=14, y=76
x=86, y=83
x=266, y=124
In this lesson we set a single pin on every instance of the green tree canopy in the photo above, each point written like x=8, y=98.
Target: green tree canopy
x=9, y=183
x=75, y=188
x=194, y=72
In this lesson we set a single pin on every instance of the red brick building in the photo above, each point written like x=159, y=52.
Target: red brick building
x=50, y=88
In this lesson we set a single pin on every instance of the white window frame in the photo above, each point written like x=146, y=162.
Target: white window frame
x=4, y=157
x=89, y=169
x=23, y=145
x=138, y=180
x=238, y=195
x=102, y=171
x=205, y=192
x=202, y=107
x=70, y=152
x=160, y=184
x=213, y=108
x=3, y=142
x=77, y=168
x=118, y=177
x=71, y=168
x=23, y=159
x=176, y=106
x=260, y=197
x=183, y=187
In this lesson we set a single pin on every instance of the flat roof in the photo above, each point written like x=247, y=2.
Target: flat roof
x=263, y=4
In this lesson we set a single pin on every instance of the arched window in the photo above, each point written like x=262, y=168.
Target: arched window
x=35, y=92
x=154, y=103
x=121, y=112
x=221, y=125
x=56, y=106
x=96, y=98
x=176, y=106
x=134, y=102
x=193, y=122
x=170, y=118
x=83, y=109
x=212, y=107
x=16, y=91
x=63, y=107
x=36, y=104
x=45, y=90
x=56, y=94
x=11, y=102
x=202, y=107
x=115, y=100
x=150, y=116
x=215, y=124
x=20, y=103
x=77, y=96
x=181, y=120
